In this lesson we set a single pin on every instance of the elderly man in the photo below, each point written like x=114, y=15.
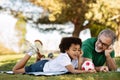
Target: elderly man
x=100, y=50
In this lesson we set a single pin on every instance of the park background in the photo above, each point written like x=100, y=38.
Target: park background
x=49, y=21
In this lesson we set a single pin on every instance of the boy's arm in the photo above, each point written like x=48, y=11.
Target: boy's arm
x=80, y=60
x=72, y=70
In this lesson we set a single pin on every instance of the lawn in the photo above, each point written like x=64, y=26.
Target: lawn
x=8, y=61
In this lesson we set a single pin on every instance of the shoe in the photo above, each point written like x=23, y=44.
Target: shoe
x=30, y=48
x=39, y=45
x=50, y=55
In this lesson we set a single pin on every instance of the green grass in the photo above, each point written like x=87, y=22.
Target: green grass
x=8, y=61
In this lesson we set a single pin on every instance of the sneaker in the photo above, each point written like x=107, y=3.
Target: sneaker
x=50, y=55
x=39, y=45
x=30, y=48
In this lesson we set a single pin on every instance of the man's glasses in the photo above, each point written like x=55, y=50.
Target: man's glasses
x=103, y=44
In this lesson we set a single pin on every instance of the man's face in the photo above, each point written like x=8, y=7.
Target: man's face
x=102, y=43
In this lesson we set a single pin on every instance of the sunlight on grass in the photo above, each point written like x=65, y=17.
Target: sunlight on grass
x=4, y=59
x=90, y=78
x=10, y=57
x=8, y=61
x=78, y=79
x=63, y=78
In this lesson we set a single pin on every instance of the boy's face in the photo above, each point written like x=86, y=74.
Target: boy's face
x=74, y=51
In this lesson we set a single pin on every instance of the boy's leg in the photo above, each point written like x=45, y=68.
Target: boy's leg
x=20, y=66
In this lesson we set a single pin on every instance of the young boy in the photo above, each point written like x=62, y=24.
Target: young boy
x=68, y=60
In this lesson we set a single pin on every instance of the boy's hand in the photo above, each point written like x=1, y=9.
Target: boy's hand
x=80, y=54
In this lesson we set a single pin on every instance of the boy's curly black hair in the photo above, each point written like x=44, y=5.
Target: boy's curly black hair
x=67, y=41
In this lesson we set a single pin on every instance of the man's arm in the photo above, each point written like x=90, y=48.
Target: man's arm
x=110, y=65
x=102, y=69
x=110, y=62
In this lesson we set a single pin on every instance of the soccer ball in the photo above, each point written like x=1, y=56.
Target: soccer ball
x=88, y=65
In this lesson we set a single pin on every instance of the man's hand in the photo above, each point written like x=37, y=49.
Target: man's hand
x=108, y=51
x=104, y=69
x=92, y=71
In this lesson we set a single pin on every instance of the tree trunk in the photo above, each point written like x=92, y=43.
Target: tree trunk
x=78, y=27
x=76, y=31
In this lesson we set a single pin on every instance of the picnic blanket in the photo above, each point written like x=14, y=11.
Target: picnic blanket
x=46, y=73
x=38, y=73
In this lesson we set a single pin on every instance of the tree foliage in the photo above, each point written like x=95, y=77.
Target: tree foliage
x=101, y=12
x=62, y=11
x=105, y=12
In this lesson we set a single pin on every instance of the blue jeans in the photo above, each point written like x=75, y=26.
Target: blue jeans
x=36, y=67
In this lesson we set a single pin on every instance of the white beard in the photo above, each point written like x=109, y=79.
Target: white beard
x=98, y=50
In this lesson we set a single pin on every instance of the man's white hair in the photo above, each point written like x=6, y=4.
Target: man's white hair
x=108, y=33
